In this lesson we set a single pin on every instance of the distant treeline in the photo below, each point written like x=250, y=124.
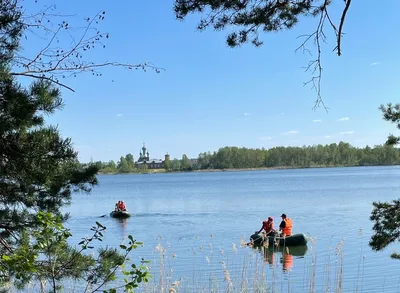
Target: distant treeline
x=342, y=154
x=332, y=155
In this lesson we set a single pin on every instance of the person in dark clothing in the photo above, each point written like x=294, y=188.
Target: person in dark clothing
x=286, y=225
x=282, y=225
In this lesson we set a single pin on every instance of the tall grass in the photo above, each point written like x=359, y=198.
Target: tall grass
x=243, y=269
x=258, y=271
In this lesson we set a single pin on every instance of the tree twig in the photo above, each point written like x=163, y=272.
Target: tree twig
x=62, y=53
x=27, y=74
x=315, y=66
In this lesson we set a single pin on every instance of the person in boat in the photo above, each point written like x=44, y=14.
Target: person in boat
x=286, y=225
x=267, y=226
x=122, y=206
x=116, y=209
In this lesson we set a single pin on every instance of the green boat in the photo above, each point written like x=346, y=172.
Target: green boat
x=120, y=214
x=275, y=240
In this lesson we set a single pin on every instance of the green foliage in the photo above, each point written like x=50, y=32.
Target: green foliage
x=143, y=168
x=58, y=260
x=130, y=160
x=249, y=17
x=332, y=155
x=167, y=164
x=386, y=218
x=185, y=163
x=10, y=30
x=342, y=154
x=386, y=215
x=123, y=165
x=105, y=167
x=38, y=168
x=175, y=165
x=135, y=274
x=391, y=113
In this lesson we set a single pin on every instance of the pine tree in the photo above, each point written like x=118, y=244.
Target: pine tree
x=386, y=215
x=39, y=171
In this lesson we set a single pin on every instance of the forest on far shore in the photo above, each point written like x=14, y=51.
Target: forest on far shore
x=330, y=155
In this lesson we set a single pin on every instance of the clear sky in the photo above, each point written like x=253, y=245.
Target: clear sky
x=211, y=96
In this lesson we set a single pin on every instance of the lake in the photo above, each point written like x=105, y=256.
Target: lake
x=193, y=225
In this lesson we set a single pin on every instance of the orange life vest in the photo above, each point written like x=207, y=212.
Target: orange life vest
x=287, y=231
x=123, y=207
x=268, y=226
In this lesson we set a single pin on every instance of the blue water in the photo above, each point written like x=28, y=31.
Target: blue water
x=200, y=219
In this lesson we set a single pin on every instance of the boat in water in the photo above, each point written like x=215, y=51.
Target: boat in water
x=120, y=214
x=276, y=240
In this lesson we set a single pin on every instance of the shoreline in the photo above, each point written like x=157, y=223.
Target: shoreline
x=163, y=171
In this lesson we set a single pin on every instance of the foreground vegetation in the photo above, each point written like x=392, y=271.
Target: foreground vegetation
x=208, y=268
x=331, y=155
x=39, y=169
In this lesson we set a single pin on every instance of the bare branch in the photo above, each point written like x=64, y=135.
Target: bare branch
x=42, y=77
x=43, y=50
x=64, y=46
x=5, y=245
x=339, y=37
x=330, y=21
x=315, y=66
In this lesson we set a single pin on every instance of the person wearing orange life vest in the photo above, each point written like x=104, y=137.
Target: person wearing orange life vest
x=122, y=206
x=267, y=226
x=286, y=225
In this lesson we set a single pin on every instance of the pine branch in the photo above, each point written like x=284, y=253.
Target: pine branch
x=342, y=19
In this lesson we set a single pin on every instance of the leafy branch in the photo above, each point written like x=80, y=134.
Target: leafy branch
x=59, y=260
x=391, y=113
x=386, y=218
x=251, y=17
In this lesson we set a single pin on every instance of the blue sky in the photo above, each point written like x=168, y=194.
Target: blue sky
x=211, y=96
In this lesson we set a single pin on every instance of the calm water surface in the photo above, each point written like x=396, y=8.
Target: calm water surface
x=200, y=218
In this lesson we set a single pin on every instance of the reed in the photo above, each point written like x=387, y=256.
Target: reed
x=254, y=272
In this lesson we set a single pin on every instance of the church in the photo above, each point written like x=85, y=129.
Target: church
x=144, y=158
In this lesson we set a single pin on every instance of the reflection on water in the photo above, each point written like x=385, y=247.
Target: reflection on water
x=286, y=255
x=122, y=225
